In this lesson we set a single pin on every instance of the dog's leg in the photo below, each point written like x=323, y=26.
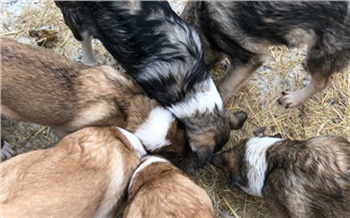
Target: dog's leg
x=7, y=150
x=237, y=75
x=88, y=53
x=296, y=98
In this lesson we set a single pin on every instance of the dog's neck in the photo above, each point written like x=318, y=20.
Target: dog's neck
x=255, y=158
x=205, y=100
x=134, y=184
x=154, y=130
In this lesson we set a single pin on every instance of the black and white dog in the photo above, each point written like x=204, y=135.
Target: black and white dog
x=299, y=179
x=164, y=56
x=242, y=30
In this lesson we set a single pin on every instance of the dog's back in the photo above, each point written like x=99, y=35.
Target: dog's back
x=243, y=30
x=298, y=179
x=159, y=189
x=309, y=178
x=46, y=88
x=139, y=35
x=84, y=175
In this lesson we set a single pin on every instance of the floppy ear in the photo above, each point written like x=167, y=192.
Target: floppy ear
x=224, y=160
x=237, y=119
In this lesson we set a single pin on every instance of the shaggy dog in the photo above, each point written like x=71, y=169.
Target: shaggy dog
x=300, y=179
x=164, y=55
x=43, y=87
x=242, y=30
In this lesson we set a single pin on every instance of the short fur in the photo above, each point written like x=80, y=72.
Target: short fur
x=298, y=179
x=43, y=87
x=85, y=175
x=164, y=55
x=242, y=30
x=159, y=189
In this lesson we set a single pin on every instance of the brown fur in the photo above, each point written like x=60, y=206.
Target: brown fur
x=309, y=178
x=162, y=190
x=45, y=88
x=84, y=175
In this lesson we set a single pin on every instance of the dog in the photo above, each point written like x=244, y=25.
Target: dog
x=43, y=87
x=85, y=175
x=308, y=178
x=164, y=55
x=159, y=189
x=242, y=30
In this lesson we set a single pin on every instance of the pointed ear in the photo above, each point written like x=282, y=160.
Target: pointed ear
x=237, y=119
x=224, y=160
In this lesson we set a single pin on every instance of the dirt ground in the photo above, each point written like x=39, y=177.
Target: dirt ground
x=326, y=113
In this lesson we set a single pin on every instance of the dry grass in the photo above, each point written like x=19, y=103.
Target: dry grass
x=327, y=113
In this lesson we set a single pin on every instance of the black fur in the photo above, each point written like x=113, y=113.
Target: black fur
x=242, y=29
x=164, y=55
x=135, y=41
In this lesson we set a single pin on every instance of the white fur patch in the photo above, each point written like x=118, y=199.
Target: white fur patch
x=255, y=157
x=135, y=143
x=202, y=101
x=154, y=130
x=147, y=161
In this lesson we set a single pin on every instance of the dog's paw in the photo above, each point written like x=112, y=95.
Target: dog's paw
x=290, y=99
x=7, y=150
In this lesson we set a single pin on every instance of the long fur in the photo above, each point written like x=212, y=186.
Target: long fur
x=307, y=178
x=45, y=88
x=163, y=54
x=242, y=30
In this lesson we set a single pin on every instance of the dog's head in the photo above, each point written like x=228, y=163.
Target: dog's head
x=232, y=161
x=211, y=132
x=246, y=163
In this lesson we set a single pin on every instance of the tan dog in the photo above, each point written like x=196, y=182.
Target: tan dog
x=85, y=175
x=158, y=189
x=298, y=179
x=43, y=87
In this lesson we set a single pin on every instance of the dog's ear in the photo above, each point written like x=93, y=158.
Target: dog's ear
x=224, y=160
x=237, y=119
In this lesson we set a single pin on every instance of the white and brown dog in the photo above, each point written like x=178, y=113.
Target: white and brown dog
x=298, y=179
x=43, y=87
x=159, y=189
x=241, y=30
x=85, y=175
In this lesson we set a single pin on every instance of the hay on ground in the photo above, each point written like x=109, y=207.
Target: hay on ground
x=326, y=113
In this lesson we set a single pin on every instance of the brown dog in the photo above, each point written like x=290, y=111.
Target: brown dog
x=298, y=179
x=241, y=30
x=85, y=175
x=43, y=87
x=158, y=189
